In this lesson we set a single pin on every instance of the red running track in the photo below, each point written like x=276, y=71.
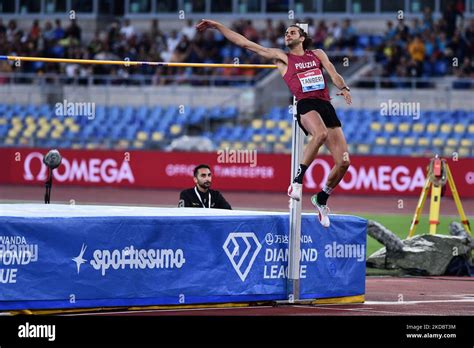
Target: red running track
x=239, y=200
x=385, y=296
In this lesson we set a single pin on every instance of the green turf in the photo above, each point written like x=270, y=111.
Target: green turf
x=400, y=225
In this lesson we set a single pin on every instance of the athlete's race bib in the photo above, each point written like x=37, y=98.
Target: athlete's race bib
x=311, y=80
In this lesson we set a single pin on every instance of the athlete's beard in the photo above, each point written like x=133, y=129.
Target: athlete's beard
x=293, y=44
x=203, y=186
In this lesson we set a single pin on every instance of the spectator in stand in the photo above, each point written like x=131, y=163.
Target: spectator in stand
x=416, y=28
x=348, y=35
x=469, y=34
x=458, y=46
x=250, y=32
x=416, y=48
x=442, y=42
x=35, y=31
x=450, y=15
x=333, y=37
x=335, y=31
x=390, y=32
x=430, y=43
x=189, y=30
x=127, y=30
x=269, y=26
x=427, y=18
x=466, y=70
x=3, y=29
x=154, y=45
x=320, y=35
x=48, y=32
x=12, y=30
x=5, y=67
x=182, y=50
x=74, y=31
x=58, y=31
x=402, y=30
x=264, y=39
x=171, y=43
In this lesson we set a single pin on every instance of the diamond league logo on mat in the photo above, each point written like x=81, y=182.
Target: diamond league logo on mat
x=16, y=253
x=242, y=260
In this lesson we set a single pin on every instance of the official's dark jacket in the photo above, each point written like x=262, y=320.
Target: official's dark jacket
x=189, y=198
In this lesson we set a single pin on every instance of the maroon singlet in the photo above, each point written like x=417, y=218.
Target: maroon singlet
x=304, y=77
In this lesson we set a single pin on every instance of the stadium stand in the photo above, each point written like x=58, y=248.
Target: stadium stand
x=420, y=47
x=366, y=130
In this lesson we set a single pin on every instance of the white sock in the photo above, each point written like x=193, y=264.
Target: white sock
x=327, y=189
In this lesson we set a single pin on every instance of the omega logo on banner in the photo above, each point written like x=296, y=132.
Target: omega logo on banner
x=89, y=170
x=379, y=178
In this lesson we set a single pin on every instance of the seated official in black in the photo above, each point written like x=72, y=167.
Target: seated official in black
x=201, y=196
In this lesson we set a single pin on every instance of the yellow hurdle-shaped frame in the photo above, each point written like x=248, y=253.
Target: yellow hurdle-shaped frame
x=436, y=203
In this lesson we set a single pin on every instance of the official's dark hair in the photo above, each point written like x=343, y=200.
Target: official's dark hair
x=200, y=167
x=307, y=40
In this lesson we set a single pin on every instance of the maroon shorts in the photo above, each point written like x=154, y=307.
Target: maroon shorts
x=322, y=107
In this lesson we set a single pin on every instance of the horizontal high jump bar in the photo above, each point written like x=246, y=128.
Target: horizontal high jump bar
x=136, y=63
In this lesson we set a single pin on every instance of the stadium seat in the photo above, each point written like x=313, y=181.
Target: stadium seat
x=138, y=144
x=452, y=142
x=157, y=136
x=363, y=149
x=270, y=138
x=284, y=139
x=395, y=141
x=257, y=124
x=448, y=151
x=142, y=136
x=404, y=127
x=418, y=128
x=432, y=127
x=389, y=127
x=466, y=151
x=446, y=128
x=375, y=126
x=175, y=129
x=250, y=146
x=270, y=124
x=423, y=141
x=460, y=129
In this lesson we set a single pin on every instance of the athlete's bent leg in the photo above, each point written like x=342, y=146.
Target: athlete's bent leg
x=313, y=123
x=337, y=146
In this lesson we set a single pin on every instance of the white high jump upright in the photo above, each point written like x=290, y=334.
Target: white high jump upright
x=297, y=143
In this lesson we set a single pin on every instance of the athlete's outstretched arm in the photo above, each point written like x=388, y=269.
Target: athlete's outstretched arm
x=242, y=41
x=335, y=77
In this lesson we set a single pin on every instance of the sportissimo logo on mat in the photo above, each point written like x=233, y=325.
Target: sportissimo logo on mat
x=242, y=261
x=130, y=257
